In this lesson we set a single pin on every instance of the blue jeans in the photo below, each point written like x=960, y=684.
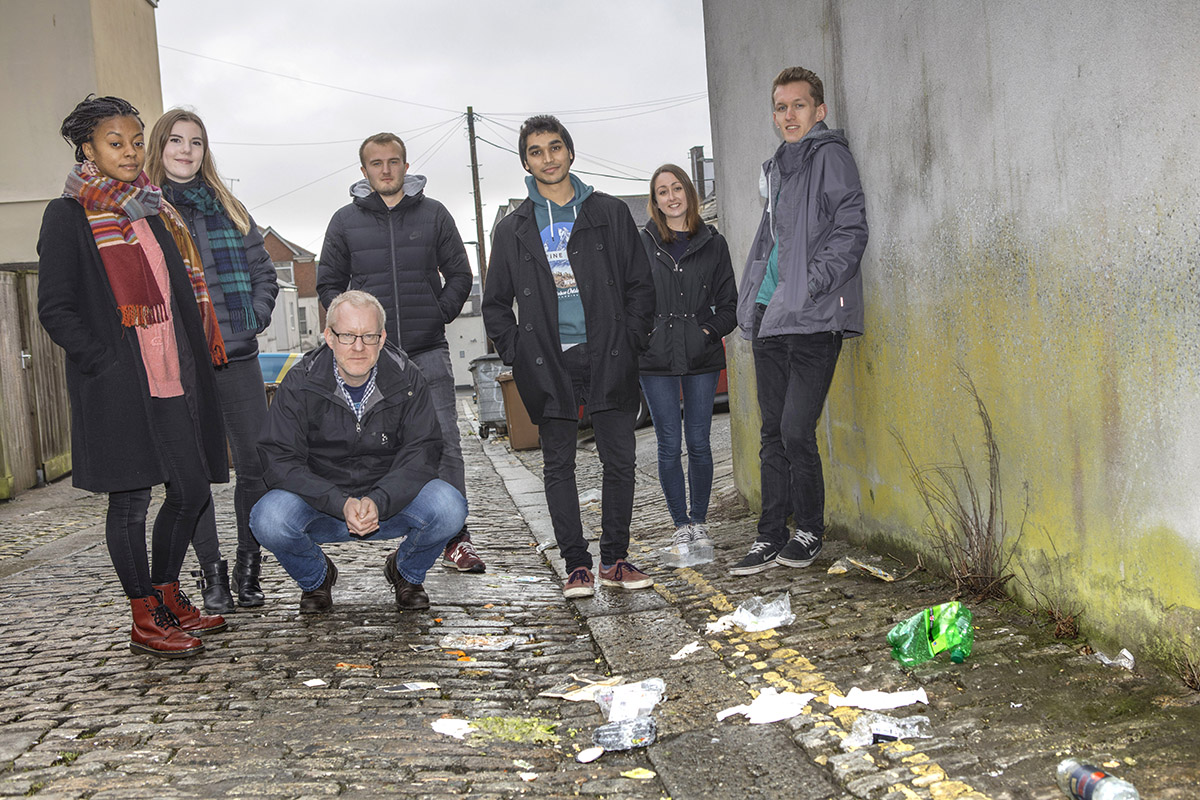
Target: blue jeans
x=793, y=374
x=289, y=527
x=662, y=394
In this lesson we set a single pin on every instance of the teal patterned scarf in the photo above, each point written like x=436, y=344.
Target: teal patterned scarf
x=228, y=250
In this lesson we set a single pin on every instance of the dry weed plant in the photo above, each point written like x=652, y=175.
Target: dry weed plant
x=1065, y=620
x=966, y=520
x=1188, y=669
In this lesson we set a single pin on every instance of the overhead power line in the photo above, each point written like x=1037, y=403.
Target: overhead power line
x=413, y=132
x=306, y=80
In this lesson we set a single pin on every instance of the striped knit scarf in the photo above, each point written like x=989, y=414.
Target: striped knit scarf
x=111, y=207
x=228, y=250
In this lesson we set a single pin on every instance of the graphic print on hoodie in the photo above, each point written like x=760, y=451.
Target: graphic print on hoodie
x=555, y=224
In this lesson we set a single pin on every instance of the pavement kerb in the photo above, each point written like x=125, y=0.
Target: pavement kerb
x=819, y=735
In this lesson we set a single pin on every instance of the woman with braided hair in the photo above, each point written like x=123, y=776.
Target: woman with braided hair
x=242, y=285
x=120, y=289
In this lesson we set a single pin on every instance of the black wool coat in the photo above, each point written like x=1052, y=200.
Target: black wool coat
x=696, y=305
x=615, y=287
x=112, y=443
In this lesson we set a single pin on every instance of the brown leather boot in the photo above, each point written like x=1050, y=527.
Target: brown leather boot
x=190, y=619
x=155, y=632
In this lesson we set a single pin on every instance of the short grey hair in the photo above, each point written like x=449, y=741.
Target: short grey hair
x=358, y=299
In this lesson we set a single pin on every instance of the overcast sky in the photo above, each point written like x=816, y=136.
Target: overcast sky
x=289, y=88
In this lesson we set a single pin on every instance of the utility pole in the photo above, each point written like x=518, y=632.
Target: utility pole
x=478, y=200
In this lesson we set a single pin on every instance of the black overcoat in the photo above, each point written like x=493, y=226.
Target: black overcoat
x=112, y=446
x=615, y=287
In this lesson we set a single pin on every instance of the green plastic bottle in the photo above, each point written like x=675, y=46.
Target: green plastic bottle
x=942, y=628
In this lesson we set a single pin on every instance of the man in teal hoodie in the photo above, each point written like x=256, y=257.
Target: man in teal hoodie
x=573, y=261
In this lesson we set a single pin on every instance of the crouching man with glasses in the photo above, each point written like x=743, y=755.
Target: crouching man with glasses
x=351, y=451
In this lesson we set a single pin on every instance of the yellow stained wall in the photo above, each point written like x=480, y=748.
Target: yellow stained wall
x=1083, y=346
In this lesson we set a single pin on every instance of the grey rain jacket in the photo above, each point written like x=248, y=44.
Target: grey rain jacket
x=816, y=209
x=410, y=257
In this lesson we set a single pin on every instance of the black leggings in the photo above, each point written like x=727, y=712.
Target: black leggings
x=187, y=496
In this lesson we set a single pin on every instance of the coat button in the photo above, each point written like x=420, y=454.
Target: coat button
x=599, y=245
x=528, y=326
x=617, y=315
x=526, y=292
x=539, y=361
x=614, y=352
x=528, y=257
x=609, y=281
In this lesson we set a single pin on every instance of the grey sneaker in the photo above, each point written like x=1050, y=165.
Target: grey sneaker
x=700, y=533
x=801, y=551
x=760, y=559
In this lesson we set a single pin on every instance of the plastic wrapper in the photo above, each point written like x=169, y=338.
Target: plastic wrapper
x=632, y=700
x=871, y=728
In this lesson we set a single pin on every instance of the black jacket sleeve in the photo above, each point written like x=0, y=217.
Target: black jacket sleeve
x=60, y=259
x=264, y=284
x=499, y=320
x=639, y=283
x=454, y=266
x=723, y=291
x=333, y=271
x=283, y=449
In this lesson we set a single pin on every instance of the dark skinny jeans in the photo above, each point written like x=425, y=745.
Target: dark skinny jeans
x=187, y=496
x=244, y=408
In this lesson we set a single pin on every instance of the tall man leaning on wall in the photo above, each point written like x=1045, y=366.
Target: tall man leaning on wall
x=801, y=296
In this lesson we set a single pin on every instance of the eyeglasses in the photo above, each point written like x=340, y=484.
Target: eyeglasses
x=369, y=339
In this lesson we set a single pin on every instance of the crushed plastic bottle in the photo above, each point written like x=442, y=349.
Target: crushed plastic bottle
x=631, y=700
x=1085, y=782
x=871, y=728
x=627, y=734
x=934, y=630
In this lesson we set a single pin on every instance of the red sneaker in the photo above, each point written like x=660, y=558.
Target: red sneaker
x=579, y=583
x=624, y=575
x=460, y=555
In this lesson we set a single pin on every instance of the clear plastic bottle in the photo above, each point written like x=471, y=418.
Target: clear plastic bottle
x=627, y=734
x=1085, y=782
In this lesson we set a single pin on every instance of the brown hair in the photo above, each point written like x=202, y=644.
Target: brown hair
x=794, y=74
x=157, y=173
x=382, y=138
x=691, y=218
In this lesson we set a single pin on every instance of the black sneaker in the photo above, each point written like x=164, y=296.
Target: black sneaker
x=801, y=550
x=760, y=558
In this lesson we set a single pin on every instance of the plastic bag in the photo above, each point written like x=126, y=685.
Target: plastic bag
x=759, y=614
x=631, y=700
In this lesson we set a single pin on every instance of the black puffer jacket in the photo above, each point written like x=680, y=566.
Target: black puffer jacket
x=618, y=298
x=696, y=305
x=313, y=446
x=397, y=254
x=264, y=288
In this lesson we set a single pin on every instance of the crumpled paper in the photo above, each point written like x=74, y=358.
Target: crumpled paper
x=770, y=706
x=876, y=700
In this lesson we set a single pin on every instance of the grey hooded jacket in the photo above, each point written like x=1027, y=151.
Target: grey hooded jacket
x=816, y=209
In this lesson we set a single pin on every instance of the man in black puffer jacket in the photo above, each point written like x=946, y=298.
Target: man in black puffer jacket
x=403, y=247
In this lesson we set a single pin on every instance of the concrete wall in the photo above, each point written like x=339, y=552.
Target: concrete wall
x=1030, y=176
x=53, y=53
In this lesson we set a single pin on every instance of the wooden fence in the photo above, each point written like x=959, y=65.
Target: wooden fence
x=35, y=418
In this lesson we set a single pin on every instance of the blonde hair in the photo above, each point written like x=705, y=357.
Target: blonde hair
x=358, y=299
x=157, y=173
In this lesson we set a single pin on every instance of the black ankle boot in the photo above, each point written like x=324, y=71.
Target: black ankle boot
x=245, y=579
x=214, y=587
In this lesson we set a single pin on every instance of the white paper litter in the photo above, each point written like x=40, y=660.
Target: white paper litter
x=315, y=682
x=1124, y=659
x=875, y=700
x=458, y=728
x=770, y=706
x=685, y=651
